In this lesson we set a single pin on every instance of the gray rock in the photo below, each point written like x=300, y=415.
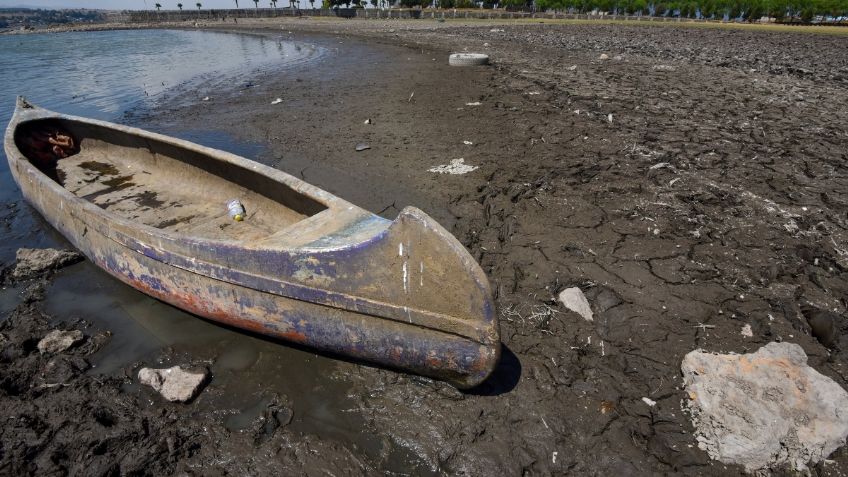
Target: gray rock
x=58, y=341
x=575, y=300
x=174, y=384
x=765, y=409
x=32, y=261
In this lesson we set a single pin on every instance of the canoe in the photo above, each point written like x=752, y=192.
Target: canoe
x=303, y=266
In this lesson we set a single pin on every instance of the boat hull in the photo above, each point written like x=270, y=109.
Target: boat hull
x=440, y=354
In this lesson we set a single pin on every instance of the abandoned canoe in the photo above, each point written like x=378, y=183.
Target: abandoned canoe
x=303, y=266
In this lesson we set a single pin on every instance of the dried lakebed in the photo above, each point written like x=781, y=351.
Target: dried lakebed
x=696, y=205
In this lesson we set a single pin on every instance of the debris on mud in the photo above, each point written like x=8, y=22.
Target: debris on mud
x=456, y=167
x=574, y=299
x=174, y=384
x=362, y=147
x=767, y=409
x=58, y=341
x=32, y=262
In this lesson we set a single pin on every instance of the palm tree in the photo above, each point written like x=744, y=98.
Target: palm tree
x=274, y=4
x=236, y=4
x=257, y=4
x=158, y=6
x=180, y=6
x=313, y=4
x=198, y=6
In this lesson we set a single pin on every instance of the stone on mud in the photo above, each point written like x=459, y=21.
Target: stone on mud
x=576, y=301
x=33, y=261
x=767, y=409
x=58, y=341
x=174, y=384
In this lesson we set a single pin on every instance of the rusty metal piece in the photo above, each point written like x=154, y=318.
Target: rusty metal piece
x=304, y=266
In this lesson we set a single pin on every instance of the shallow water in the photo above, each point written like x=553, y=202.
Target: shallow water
x=104, y=75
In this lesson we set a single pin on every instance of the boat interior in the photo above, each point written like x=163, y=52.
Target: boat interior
x=159, y=184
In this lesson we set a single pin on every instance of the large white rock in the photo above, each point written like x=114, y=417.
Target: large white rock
x=58, y=341
x=576, y=301
x=174, y=384
x=764, y=409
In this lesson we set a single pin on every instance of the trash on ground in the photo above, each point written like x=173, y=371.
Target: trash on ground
x=663, y=68
x=58, y=341
x=174, y=384
x=572, y=67
x=764, y=409
x=650, y=402
x=205, y=98
x=468, y=59
x=368, y=121
x=277, y=101
x=456, y=167
x=468, y=143
x=603, y=56
x=34, y=261
x=574, y=299
x=747, y=332
x=476, y=103
x=235, y=209
x=362, y=146
x=496, y=30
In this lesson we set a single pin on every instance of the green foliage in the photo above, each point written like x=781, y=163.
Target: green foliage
x=749, y=10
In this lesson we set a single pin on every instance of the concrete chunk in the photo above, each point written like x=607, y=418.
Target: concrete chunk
x=174, y=384
x=33, y=261
x=766, y=409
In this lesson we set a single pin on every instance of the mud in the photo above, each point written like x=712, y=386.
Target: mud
x=690, y=185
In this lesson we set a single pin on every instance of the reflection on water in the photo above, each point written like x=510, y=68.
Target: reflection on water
x=100, y=74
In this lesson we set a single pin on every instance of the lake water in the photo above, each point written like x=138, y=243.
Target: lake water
x=103, y=75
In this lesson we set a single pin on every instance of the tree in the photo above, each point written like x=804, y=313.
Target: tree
x=313, y=4
x=158, y=6
x=274, y=4
x=256, y=2
x=198, y=6
x=236, y=4
x=180, y=6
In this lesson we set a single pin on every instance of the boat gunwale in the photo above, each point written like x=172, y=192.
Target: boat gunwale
x=26, y=112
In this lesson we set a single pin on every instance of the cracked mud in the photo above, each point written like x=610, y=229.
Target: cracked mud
x=693, y=185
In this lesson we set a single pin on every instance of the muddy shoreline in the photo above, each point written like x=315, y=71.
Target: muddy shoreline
x=692, y=183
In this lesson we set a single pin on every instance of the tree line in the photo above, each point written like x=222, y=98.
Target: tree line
x=751, y=10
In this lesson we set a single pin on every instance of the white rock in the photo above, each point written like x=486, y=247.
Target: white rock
x=173, y=384
x=58, y=341
x=575, y=300
x=764, y=409
x=603, y=56
x=456, y=167
x=747, y=332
